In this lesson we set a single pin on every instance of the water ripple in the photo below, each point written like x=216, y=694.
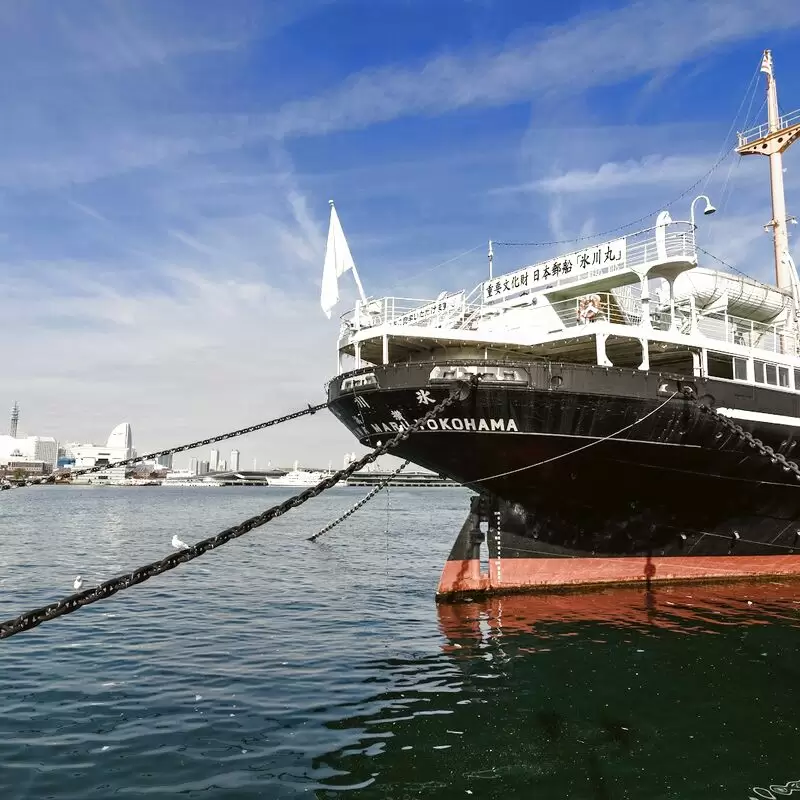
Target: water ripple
x=276, y=668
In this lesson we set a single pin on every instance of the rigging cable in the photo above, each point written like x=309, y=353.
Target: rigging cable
x=442, y=263
x=576, y=450
x=363, y=501
x=723, y=262
x=750, y=91
x=626, y=225
x=723, y=155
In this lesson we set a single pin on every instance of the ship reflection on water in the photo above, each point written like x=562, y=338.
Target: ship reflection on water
x=683, y=608
x=681, y=692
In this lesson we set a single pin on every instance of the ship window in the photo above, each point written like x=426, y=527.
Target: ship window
x=720, y=365
x=797, y=379
x=783, y=376
x=740, y=369
x=772, y=374
x=758, y=368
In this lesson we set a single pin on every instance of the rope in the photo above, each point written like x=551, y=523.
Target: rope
x=751, y=92
x=723, y=262
x=440, y=264
x=576, y=450
x=76, y=601
x=620, y=227
x=363, y=501
x=191, y=446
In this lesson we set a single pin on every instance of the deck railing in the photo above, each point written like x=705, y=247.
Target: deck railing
x=623, y=308
x=751, y=135
x=447, y=311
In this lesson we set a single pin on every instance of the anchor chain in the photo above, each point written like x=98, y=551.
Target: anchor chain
x=362, y=502
x=182, y=448
x=745, y=436
x=68, y=605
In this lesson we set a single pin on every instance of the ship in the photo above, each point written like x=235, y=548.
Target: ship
x=598, y=435
x=297, y=477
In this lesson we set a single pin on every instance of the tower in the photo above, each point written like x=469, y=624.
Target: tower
x=234, y=460
x=14, y=420
x=772, y=140
x=213, y=463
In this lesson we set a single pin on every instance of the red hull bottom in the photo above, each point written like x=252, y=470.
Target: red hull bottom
x=521, y=574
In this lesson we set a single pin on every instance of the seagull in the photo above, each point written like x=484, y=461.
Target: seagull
x=78, y=582
x=177, y=543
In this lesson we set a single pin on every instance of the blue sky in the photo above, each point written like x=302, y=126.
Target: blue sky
x=165, y=169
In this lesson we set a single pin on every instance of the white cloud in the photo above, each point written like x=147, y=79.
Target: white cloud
x=588, y=51
x=612, y=176
x=209, y=327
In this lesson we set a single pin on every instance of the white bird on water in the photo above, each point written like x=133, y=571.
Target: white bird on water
x=177, y=543
x=77, y=583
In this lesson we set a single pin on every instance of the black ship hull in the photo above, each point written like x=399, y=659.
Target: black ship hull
x=595, y=475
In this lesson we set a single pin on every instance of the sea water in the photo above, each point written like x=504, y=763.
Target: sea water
x=278, y=668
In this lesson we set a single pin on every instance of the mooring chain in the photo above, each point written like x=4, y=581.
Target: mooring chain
x=362, y=502
x=745, y=436
x=182, y=448
x=72, y=603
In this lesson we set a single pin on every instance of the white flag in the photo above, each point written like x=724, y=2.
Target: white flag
x=338, y=260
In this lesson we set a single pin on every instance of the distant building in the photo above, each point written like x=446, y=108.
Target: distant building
x=45, y=448
x=213, y=463
x=28, y=466
x=119, y=447
x=42, y=449
x=165, y=461
x=223, y=466
x=113, y=476
x=202, y=468
x=194, y=466
x=234, y=460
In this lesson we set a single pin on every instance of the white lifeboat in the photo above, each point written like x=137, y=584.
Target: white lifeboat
x=743, y=296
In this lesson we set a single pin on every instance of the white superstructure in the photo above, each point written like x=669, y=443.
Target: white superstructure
x=635, y=302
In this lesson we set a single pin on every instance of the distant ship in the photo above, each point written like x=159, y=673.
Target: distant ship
x=591, y=463
x=298, y=478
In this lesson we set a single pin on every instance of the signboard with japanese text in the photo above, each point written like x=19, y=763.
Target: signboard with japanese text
x=602, y=259
x=434, y=313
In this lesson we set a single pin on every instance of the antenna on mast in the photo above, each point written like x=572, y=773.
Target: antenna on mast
x=772, y=140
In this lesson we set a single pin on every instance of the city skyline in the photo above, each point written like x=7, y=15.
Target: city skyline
x=181, y=461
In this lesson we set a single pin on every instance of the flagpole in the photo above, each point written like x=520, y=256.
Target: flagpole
x=358, y=283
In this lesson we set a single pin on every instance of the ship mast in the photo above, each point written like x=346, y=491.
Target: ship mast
x=772, y=140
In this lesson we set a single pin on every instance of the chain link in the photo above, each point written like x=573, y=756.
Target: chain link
x=745, y=436
x=76, y=601
x=181, y=448
x=362, y=502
